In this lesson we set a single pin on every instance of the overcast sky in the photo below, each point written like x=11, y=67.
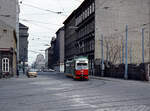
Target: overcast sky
x=43, y=22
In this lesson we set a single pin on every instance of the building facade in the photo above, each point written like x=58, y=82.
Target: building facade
x=40, y=62
x=9, y=13
x=8, y=49
x=60, y=43
x=70, y=37
x=109, y=32
x=46, y=58
x=80, y=33
x=23, y=44
x=53, y=54
x=85, y=21
x=112, y=18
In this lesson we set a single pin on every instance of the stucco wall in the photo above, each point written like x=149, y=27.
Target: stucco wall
x=8, y=7
x=6, y=36
x=111, y=18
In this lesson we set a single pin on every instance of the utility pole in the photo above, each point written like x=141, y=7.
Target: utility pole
x=143, y=45
x=102, y=52
x=126, y=55
x=123, y=51
x=131, y=54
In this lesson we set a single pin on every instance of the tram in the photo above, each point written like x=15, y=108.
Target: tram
x=77, y=68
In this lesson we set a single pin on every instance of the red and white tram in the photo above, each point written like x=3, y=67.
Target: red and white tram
x=77, y=68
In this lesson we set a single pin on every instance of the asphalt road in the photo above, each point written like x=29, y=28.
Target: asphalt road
x=54, y=92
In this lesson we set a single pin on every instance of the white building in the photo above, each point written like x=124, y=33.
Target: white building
x=40, y=62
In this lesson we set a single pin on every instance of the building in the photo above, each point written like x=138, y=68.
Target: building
x=109, y=32
x=70, y=37
x=85, y=21
x=40, y=62
x=80, y=33
x=60, y=47
x=23, y=44
x=54, y=54
x=50, y=58
x=9, y=13
x=8, y=49
x=111, y=19
x=46, y=58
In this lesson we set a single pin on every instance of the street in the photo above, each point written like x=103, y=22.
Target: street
x=53, y=91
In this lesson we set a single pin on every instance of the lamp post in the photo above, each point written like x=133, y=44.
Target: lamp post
x=126, y=55
x=102, y=55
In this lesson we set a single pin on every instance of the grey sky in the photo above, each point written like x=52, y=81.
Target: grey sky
x=43, y=24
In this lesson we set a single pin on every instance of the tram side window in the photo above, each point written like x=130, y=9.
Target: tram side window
x=82, y=66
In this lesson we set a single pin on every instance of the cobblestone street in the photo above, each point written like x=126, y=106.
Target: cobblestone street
x=55, y=92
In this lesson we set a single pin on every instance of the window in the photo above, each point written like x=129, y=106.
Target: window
x=5, y=65
x=93, y=7
x=90, y=9
x=81, y=66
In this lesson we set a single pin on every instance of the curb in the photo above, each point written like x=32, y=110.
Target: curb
x=106, y=79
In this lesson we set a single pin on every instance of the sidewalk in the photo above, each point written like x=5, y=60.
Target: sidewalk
x=21, y=75
x=116, y=79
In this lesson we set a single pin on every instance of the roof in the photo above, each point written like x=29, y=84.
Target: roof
x=22, y=26
x=83, y=5
x=62, y=28
x=70, y=17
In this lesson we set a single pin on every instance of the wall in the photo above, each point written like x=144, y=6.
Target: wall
x=8, y=7
x=6, y=36
x=9, y=12
x=111, y=18
x=23, y=42
x=61, y=46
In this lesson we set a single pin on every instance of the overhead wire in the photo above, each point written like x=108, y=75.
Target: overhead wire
x=47, y=10
x=39, y=22
x=36, y=25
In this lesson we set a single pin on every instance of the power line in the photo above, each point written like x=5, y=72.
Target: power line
x=79, y=1
x=28, y=20
x=47, y=10
x=35, y=24
x=61, y=6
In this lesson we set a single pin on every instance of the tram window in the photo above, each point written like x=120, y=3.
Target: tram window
x=82, y=64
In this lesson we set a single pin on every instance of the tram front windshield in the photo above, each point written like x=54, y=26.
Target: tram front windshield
x=82, y=66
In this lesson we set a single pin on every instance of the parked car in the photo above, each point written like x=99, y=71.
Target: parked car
x=48, y=70
x=51, y=70
x=32, y=73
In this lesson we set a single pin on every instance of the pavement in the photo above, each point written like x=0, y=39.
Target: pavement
x=52, y=91
x=116, y=79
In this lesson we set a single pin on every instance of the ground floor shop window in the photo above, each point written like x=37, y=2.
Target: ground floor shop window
x=5, y=65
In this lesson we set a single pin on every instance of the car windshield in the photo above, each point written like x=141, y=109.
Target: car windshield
x=33, y=70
